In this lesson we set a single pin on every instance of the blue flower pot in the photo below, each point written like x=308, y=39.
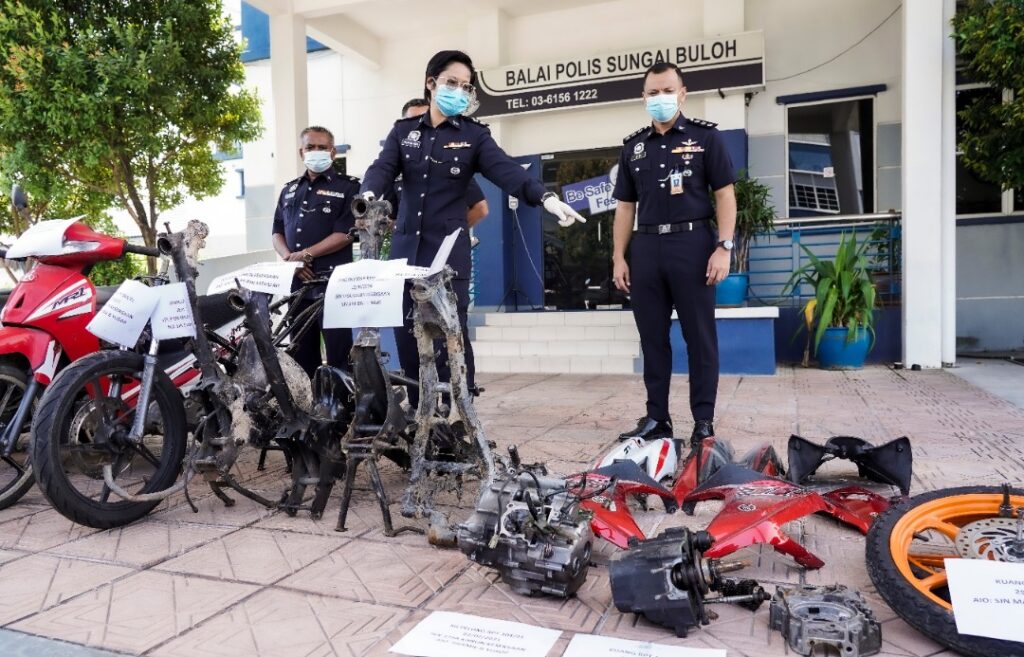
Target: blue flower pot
x=732, y=291
x=835, y=353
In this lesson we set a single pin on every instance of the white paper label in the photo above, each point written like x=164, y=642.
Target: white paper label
x=443, y=253
x=172, y=317
x=268, y=277
x=447, y=634
x=589, y=645
x=365, y=293
x=122, y=319
x=987, y=597
x=42, y=239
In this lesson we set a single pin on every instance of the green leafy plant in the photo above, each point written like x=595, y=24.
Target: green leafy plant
x=755, y=215
x=989, y=44
x=124, y=100
x=844, y=295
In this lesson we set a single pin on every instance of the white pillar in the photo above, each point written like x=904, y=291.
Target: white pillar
x=288, y=84
x=923, y=38
x=488, y=46
x=948, y=186
x=724, y=17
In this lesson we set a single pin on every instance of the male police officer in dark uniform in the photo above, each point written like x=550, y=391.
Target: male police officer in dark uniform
x=437, y=155
x=311, y=226
x=676, y=259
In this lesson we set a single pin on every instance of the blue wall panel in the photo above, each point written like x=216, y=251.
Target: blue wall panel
x=745, y=346
x=256, y=35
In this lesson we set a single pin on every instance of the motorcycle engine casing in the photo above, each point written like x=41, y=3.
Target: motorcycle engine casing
x=533, y=531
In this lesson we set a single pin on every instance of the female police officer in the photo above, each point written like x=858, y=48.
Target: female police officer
x=437, y=155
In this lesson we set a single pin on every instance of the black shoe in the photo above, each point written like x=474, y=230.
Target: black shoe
x=701, y=429
x=649, y=429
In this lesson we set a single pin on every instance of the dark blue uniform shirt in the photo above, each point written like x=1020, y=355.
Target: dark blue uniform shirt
x=437, y=166
x=307, y=212
x=473, y=194
x=694, y=149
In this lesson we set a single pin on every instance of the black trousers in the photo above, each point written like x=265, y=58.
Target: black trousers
x=408, y=354
x=669, y=271
x=337, y=344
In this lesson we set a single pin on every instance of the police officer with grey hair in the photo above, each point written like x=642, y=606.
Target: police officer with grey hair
x=311, y=225
x=668, y=174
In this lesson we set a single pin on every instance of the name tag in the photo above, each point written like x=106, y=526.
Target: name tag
x=458, y=144
x=676, y=182
x=327, y=192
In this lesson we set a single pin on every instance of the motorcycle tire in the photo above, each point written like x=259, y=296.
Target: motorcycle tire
x=923, y=609
x=16, y=476
x=52, y=430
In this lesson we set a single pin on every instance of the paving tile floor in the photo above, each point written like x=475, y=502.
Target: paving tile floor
x=248, y=581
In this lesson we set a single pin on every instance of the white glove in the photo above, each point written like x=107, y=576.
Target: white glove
x=368, y=196
x=566, y=215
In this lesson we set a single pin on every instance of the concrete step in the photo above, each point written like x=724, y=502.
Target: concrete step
x=556, y=364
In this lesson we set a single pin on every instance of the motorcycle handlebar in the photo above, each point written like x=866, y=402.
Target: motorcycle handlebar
x=141, y=250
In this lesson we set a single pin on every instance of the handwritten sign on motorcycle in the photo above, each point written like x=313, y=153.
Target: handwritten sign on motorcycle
x=172, y=317
x=268, y=277
x=365, y=293
x=122, y=319
x=440, y=260
x=589, y=645
x=448, y=634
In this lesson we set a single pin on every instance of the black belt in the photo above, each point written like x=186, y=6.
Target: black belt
x=674, y=227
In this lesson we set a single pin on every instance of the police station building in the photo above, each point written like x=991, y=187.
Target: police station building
x=845, y=110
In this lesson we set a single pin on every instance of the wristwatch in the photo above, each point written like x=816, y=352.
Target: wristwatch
x=307, y=257
x=726, y=244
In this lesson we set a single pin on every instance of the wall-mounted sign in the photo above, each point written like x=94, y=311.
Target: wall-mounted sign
x=726, y=62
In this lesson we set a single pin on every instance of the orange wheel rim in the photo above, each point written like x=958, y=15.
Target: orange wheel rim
x=943, y=517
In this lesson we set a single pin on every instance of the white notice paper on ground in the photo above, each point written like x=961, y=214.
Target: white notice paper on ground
x=588, y=645
x=268, y=277
x=122, y=319
x=43, y=238
x=172, y=317
x=364, y=293
x=447, y=634
x=987, y=597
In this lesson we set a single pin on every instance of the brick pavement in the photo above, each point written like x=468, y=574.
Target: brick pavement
x=249, y=581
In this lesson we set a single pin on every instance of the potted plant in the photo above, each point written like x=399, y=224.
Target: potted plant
x=842, y=312
x=755, y=215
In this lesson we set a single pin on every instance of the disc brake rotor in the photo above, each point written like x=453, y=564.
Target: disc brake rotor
x=81, y=434
x=996, y=539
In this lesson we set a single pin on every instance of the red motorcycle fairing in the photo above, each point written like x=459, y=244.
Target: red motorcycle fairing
x=756, y=507
x=38, y=347
x=604, y=492
x=711, y=454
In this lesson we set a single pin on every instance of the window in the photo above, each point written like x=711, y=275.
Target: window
x=973, y=195
x=831, y=158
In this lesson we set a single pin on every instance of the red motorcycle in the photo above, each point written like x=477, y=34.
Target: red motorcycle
x=43, y=329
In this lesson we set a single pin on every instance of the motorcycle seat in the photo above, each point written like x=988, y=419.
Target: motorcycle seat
x=103, y=294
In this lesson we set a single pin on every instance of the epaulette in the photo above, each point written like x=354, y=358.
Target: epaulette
x=476, y=121
x=353, y=179
x=293, y=181
x=634, y=134
x=406, y=118
x=701, y=122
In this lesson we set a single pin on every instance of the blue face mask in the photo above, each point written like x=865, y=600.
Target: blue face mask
x=663, y=107
x=451, y=101
x=317, y=161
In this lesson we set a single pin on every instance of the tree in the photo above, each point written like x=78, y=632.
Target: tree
x=124, y=100
x=51, y=198
x=989, y=35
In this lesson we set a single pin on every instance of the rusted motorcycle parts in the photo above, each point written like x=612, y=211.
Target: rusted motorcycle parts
x=756, y=507
x=822, y=617
x=667, y=580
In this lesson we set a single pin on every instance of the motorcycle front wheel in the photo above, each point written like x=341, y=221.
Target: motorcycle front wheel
x=83, y=423
x=907, y=545
x=15, y=470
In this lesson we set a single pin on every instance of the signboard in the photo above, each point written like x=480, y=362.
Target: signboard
x=448, y=634
x=725, y=62
x=594, y=194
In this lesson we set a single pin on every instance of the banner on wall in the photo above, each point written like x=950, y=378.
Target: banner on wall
x=730, y=62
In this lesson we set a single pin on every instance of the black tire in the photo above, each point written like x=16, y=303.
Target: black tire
x=16, y=477
x=63, y=469
x=921, y=613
